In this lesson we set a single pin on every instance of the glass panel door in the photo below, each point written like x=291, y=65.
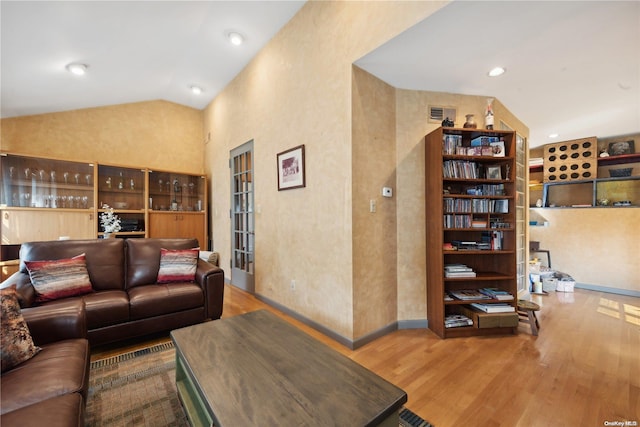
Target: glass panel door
x=242, y=225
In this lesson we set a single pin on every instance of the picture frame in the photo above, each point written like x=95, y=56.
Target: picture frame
x=494, y=172
x=291, y=168
x=621, y=147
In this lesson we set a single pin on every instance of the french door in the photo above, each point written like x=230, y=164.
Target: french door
x=242, y=221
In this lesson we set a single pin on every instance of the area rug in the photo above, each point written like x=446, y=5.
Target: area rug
x=138, y=389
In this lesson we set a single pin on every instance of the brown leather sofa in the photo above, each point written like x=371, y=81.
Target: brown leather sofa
x=50, y=388
x=126, y=301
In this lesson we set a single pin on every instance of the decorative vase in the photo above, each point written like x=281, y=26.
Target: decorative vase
x=470, y=123
x=107, y=236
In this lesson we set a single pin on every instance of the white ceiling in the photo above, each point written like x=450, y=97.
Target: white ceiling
x=572, y=67
x=136, y=50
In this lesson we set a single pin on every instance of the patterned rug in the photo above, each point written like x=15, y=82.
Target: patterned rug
x=138, y=389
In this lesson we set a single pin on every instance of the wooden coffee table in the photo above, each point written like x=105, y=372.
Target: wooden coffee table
x=258, y=370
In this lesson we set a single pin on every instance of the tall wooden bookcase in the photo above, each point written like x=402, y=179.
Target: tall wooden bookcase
x=470, y=197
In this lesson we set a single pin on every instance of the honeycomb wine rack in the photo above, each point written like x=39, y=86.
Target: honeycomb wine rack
x=571, y=160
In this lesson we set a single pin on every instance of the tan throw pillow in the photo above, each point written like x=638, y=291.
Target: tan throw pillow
x=214, y=259
x=178, y=265
x=59, y=278
x=15, y=338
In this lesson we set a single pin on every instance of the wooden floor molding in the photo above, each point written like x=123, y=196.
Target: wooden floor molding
x=583, y=369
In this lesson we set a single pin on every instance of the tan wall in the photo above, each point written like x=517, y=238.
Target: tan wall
x=598, y=246
x=155, y=134
x=374, y=233
x=297, y=90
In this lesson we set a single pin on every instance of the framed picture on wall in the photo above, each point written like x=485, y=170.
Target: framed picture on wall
x=494, y=172
x=291, y=172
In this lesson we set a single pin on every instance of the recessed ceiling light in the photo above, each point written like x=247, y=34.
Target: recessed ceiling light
x=77, y=68
x=553, y=135
x=235, y=38
x=196, y=89
x=496, y=72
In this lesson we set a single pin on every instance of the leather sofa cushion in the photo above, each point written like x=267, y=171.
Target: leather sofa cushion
x=156, y=300
x=106, y=308
x=61, y=411
x=104, y=257
x=143, y=258
x=59, y=369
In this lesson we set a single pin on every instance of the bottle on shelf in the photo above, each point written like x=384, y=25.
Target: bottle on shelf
x=488, y=116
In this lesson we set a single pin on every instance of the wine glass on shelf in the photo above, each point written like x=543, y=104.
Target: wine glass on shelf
x=160, y=185
x=85, y=201
x=27, y=173
x=41, y=173
x=12, y=169
x=191, y=185
x=87, y=177
x=53, y=176
x=66, y=177
x=77, y=178
x=64, y=201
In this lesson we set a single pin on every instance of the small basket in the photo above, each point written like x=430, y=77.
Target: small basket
x=619, y=173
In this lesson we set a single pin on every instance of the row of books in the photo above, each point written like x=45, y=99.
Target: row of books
x=450, y=143
x=485, y=190
x=460, y=169
x=452, y=205
x=451, y=220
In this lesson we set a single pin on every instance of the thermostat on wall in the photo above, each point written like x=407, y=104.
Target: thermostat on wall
x=387, y=192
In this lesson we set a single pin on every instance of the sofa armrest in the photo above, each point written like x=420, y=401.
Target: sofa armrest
x=57, y=321
x=211, y=279
x=26, y=291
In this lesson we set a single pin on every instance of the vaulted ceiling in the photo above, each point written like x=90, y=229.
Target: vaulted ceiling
x=573, y=68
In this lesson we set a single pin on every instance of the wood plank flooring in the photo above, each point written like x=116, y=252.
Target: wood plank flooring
x=582, y=370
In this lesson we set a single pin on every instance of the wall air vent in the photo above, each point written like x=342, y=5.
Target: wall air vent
x=438, y=114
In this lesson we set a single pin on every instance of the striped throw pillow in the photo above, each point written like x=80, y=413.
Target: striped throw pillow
x=178, y=265
x=59, y=278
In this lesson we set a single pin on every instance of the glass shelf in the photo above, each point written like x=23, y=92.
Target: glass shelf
x=30, y=182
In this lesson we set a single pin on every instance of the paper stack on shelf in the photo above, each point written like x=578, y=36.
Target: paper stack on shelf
x=458, y=270
x=494, y=308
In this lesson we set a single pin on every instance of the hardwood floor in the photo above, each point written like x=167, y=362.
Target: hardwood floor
x=583, y=369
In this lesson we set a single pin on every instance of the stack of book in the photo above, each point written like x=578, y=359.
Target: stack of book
x=494, y=308
x=458, y=270
x=468, y=294
x=498, y=294
x=456, y=321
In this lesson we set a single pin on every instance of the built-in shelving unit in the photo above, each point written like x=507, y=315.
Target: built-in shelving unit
x=45, y=199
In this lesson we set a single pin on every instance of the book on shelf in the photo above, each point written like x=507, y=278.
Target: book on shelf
x=456, y=321
x=457, y=267
x=494, y=308
x=468, y=294
x=458, y=270
x=498, y=294
x=454, y=274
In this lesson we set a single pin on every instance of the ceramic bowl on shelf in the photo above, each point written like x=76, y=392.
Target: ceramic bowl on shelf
x=120, y=205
